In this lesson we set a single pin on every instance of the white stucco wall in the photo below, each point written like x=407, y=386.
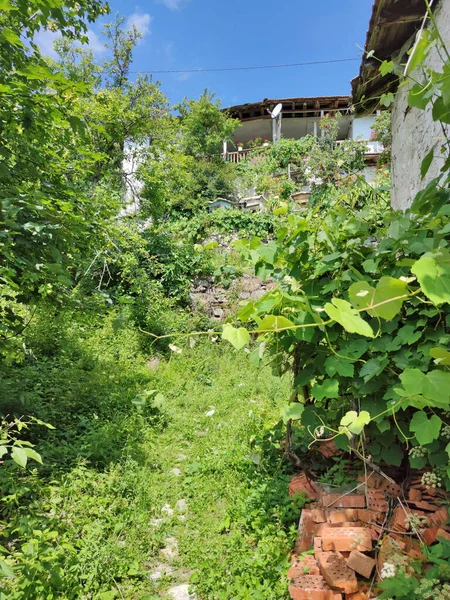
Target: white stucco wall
x=362, y=127
x=414, y=132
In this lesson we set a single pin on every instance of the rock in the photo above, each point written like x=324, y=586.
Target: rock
x=181, y=592
x=167, y=510
x=218, y=313
x=181, y=506
x=171, y=550
x=153, y=363
x=176, y=472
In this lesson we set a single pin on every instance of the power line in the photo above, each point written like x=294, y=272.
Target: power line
x=283, y=66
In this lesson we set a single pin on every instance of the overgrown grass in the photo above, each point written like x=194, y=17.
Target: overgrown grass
x=130, y=442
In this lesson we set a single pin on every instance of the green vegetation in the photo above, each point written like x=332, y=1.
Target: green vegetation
x=139, y=449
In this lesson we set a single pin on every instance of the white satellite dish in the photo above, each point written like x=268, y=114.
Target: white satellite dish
x=276, y=121
x=276, y=111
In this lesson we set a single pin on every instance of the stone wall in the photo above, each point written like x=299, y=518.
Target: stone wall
x=414, y=132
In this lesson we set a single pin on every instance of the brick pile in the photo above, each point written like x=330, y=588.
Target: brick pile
x=345, y=538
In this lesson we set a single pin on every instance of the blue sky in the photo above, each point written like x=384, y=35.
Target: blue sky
x=190, y=34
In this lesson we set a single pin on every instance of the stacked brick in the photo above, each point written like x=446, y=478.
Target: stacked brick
x=350, y=536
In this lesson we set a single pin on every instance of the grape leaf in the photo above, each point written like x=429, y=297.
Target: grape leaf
x=328, y=389
x=239, y=338
x=292, y=412
x=426, y=430
x=433, y=274
x=355, y=423
x=343, y=313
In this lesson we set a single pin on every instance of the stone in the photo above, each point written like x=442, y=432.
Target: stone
x=167, y=510
x=361, y=563
x=311, y=587
x=176, y=472
x=218, y=313
x=181, y=592
x=344, y=501
x=181, y=506
x=171, y=550
x=336, y=572
x=346, y=539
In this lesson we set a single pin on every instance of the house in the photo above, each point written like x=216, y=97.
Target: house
x=299, y=117
x=393, y=31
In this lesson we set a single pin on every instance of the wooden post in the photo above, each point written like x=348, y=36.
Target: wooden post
x=315, y=128
x=225, y=149
x=289, y=170
x=322, y=115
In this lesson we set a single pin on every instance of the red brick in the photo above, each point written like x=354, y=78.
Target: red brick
x=439, y=517
x=356, y=596
x=361, y=563
x=306, y=529
x=311, y=587
x=317, y=546
x=336, y=572
x=429, y=535
x=344, y=501
x=390, y=488
x=344, y=515
x=328, y=449
x=415, y=495
x=321, y=526
x=374, y=480
x=346, y=539
x=423, y=505
x=370, y=516
x=305, y=565
x=300, y=484
x=376, y=501
x=399, y=518
x=319, y=516
x=443, y=534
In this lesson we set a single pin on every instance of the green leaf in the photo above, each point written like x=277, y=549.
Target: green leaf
x=441, y=111
x=341, y=366
x=419, y=51
x=239, y=338
x=426, y=430
x=426, y=163
x=420, y=96
x=372, y=368
x=273, y=322
x=418, y=462
x=386, y=67
x=392, y=455
x=433, y=274
x=33, y=455
x=436, y=387
x=10, y=36
x=328, y=389
x=355, y=423
x=343, y=313
x=19, y=456
x=412, y=381
x=441, y=356
x=3, y=451
x=292, y=412
x=387, y=99
x=5, y=570
x=363, y=295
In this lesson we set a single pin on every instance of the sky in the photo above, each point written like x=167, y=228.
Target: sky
x=209, y=34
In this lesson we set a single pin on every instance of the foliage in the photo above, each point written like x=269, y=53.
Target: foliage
x=382, y=133
x=360, y=316
x=204, y=126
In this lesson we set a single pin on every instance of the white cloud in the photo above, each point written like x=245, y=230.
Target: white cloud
x=167, y=50
x=183, y=76
x=95, y=43
x=46, y=38
x=141, y=21
x=173, y=4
